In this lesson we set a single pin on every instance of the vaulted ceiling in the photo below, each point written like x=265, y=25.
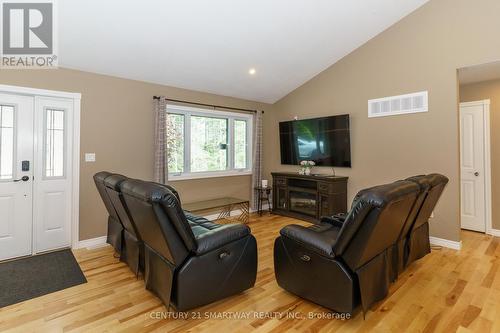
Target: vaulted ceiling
x=211, y=45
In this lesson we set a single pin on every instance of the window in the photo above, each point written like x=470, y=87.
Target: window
x=54, y=143
x=205, y=143
x=6, y=142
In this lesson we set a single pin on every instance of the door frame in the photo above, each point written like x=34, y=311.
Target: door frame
x=75, y=173
x=487, y=159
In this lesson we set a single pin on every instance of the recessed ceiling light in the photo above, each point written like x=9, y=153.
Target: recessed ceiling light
x=252, y=71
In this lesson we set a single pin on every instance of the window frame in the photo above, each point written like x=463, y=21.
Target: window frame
x=187, y=112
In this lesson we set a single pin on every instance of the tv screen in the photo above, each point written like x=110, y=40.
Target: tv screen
x=326, y=141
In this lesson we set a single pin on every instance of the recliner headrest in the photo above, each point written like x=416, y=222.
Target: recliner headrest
x=100, y=176
x=146, y=191
x=429, y=181
x=99, y=180
x=379, y=196
x=114, y=181
x=422, y=181
x=437, y=179
x=170, y=188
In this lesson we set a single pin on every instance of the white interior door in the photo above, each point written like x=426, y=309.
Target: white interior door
x=53, y=176
x=472, y=167
x=16, y=185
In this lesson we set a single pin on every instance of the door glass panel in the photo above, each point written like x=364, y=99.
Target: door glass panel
x=281, y=198
x=6, y=142
x=54, y=143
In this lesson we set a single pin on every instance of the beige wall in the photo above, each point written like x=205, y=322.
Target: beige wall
x=117, y=124
x=421, y=52
x=489, y=90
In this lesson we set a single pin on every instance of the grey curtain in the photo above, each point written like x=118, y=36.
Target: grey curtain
x=160, y=143
x=257, y=156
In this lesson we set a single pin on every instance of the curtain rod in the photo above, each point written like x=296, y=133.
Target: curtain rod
x=208, y=105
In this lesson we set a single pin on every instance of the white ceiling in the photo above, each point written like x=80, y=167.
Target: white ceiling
x=479, y=73
x=210, y=45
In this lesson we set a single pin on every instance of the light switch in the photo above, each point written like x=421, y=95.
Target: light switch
x=89, y=157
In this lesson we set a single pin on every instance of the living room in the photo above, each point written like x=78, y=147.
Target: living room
x=259, y=79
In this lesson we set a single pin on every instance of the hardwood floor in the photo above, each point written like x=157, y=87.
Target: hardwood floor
x=447, y=291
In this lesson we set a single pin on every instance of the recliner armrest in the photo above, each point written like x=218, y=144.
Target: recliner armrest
x=319, y=239
x=218, y=237
x=336, y=220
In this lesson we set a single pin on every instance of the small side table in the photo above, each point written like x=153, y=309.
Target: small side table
x=263, y=194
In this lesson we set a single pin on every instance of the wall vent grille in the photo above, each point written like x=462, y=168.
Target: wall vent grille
x=402, y=104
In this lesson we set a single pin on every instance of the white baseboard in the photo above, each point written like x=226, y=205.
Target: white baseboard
x=446, y=243
x=494, y=232
x=92, y=243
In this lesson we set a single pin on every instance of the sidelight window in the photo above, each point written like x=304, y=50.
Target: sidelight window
x=54, y=143
x=6, y=142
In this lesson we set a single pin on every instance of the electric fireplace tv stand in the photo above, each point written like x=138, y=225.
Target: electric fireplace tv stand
x=308, y=197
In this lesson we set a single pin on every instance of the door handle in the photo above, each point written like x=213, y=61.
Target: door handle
x=24, y=179
x=476, y=173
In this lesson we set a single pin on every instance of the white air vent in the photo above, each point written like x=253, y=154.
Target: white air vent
x=402, y=104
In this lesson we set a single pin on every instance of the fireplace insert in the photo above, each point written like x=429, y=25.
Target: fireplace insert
x=303, y=202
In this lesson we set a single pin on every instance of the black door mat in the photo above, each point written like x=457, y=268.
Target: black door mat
x=27, y=278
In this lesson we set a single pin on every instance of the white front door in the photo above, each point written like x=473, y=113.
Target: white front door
x=472, y=167
x=16, y=182
x=36, y=150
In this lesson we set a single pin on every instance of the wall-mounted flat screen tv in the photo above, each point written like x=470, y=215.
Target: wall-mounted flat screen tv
x=326, y=141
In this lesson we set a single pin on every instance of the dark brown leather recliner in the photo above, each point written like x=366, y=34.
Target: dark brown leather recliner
x=115, y=227
x=188, y=263
x=417, y=243
x=341, y=263
x=132, y=249
x=413, y=242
